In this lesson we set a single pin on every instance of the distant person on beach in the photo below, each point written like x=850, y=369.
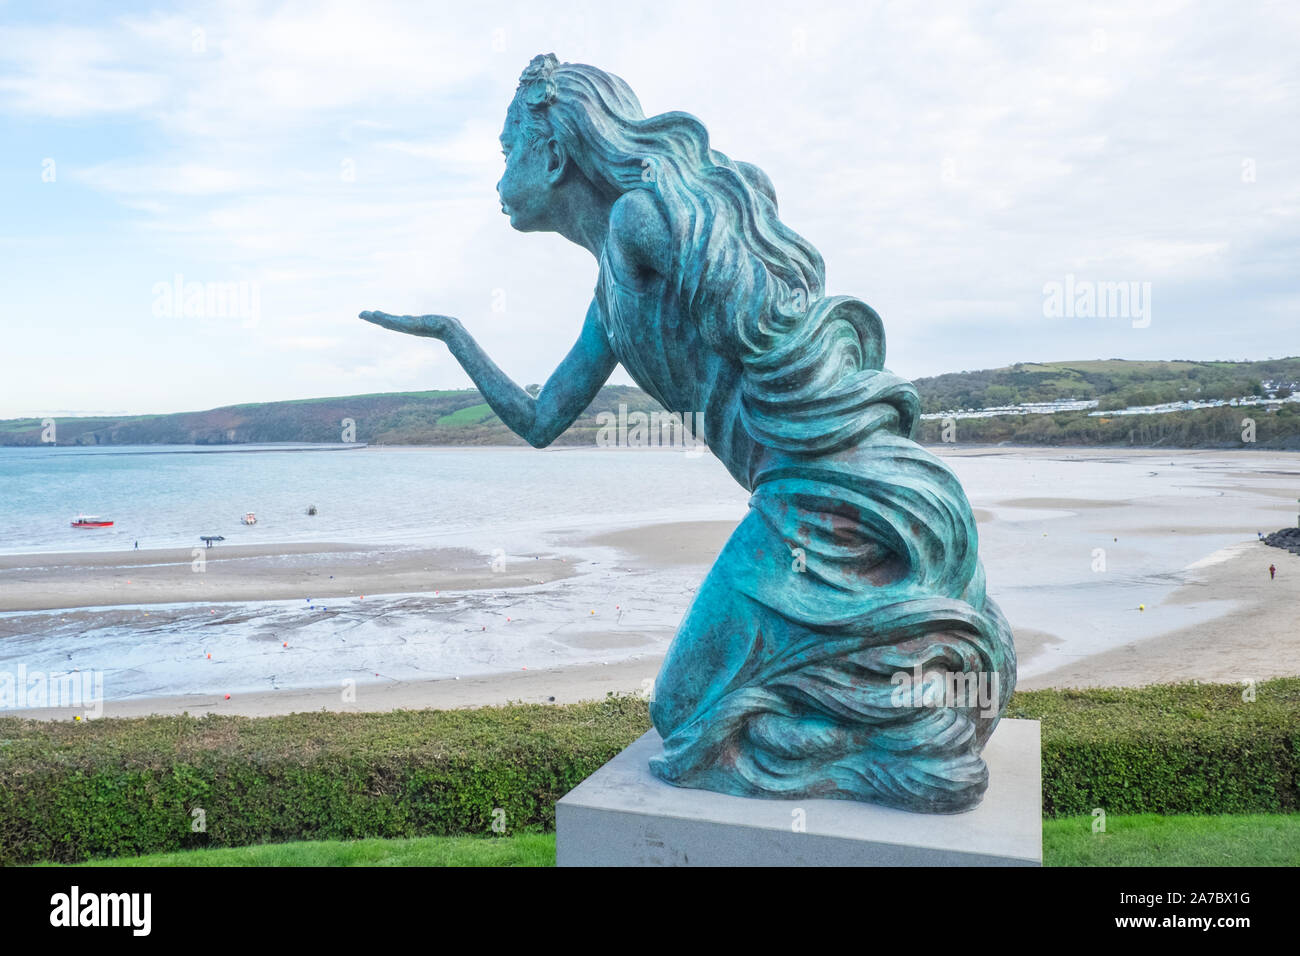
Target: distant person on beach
x=1272, y=571
x=137, y=545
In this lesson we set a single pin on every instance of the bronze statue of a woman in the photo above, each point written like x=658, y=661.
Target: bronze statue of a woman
x=842, y=645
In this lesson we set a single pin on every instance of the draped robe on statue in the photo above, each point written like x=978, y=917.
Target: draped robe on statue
x=856, y=571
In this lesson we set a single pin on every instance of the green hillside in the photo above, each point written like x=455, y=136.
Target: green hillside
x=460, y=417
x=415, y=418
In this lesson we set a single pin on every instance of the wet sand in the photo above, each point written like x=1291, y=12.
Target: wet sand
x=1257, y=639
x=558, y=685
x=36, y=582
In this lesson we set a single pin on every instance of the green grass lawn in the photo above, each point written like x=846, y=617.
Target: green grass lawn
x=525, y=849
x=1149, y=839
x=472, y=415
x=1142, y=840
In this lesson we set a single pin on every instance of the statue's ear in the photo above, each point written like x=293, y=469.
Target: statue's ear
x=557, y=160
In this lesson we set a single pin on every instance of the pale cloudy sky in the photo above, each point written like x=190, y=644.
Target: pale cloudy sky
x=948, y=160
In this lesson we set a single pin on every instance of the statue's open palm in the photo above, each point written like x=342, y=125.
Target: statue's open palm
x=430, y=326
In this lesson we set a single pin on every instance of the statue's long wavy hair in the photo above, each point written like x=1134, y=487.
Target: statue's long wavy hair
x=741, y=272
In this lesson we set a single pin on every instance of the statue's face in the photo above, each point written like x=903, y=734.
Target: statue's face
x=524, y=189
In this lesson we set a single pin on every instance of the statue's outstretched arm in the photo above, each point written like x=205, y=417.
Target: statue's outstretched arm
x=567, y=393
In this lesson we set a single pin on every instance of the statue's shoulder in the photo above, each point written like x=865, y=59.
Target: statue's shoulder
x=639, y=233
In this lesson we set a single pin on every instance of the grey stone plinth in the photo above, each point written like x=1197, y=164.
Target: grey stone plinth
x=623, y=816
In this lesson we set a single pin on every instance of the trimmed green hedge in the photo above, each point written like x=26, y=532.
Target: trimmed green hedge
x=1173, y=748
x=116, y=787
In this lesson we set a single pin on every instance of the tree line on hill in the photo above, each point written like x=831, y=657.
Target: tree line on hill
x=1245, y=426
x=1115, y=383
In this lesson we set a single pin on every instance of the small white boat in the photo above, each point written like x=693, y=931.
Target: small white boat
x=250, y=518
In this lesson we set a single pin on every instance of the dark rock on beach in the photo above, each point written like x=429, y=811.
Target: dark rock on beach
x=1288, y=539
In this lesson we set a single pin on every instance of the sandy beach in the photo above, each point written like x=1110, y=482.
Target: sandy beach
x=1257, y=639
x=37, y=582
x=1149, y=572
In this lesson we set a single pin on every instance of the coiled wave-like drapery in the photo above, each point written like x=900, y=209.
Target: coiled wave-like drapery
x=855, y=574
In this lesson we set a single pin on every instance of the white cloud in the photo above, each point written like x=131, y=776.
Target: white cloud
x=182, y=177
x=946, y=161
x=65, y=72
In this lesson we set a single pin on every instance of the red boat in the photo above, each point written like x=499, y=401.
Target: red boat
x=90, y=521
